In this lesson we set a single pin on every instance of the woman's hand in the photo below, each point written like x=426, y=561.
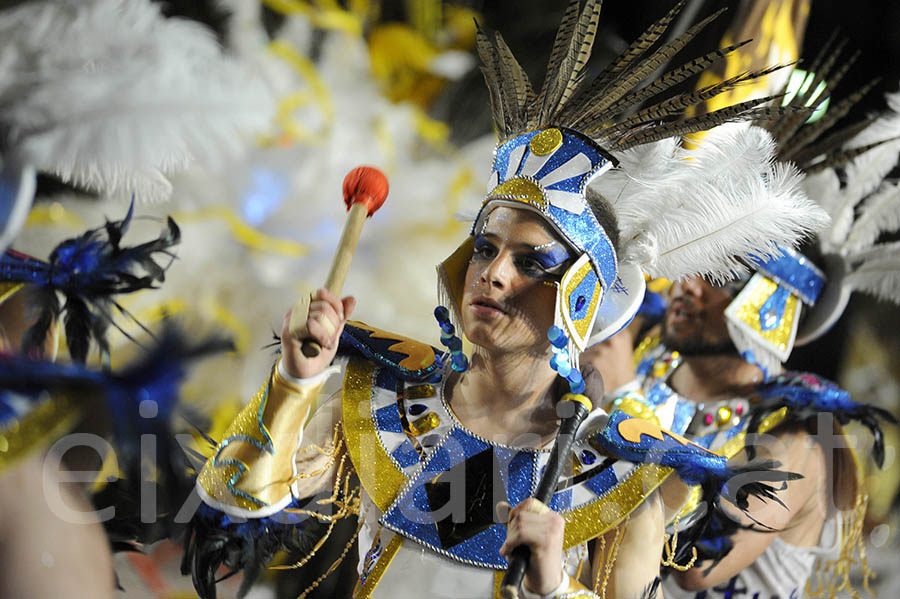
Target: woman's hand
x=325, y=321
x=534, y=524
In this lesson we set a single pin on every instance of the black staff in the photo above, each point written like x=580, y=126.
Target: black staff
x=518, y=563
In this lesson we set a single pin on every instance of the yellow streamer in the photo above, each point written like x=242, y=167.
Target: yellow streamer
x=324, y=14
x=53, y=214
x=244, y=233
x=317, y=93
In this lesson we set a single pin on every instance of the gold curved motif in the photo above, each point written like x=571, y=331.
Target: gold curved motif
x=520, y=190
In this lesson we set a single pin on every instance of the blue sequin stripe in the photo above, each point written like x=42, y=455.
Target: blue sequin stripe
x=269, y=448
x=794, y=271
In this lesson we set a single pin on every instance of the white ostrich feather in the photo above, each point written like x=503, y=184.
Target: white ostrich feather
x=732, y=148
x=824, y=188
x=881, y=252
x=879, y=277
x=865, y=174
x=880, y=213
x=875, y=270
x=714, y=226
x=633, y=188
x=110, y=95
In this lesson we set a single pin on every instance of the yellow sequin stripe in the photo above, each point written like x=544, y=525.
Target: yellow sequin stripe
x=38, y=429
x=378, y=474
x=380, y=567
x=590, y=521
x=647, y=344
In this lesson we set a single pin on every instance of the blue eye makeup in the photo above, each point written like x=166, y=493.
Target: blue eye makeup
x=552, y=256
x=533, y=262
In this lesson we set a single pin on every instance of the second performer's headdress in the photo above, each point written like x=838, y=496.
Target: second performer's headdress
x=791, y=300
x=679, y=212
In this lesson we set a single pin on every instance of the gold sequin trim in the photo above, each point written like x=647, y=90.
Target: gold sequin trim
x=378, y=474
x=594, y=519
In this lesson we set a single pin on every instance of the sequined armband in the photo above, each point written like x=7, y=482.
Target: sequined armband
x=251, y=471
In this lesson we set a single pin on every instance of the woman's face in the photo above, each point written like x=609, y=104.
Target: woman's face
x=510, y=289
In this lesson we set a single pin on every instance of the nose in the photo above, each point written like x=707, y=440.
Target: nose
x=497, y=273
x=693, y=286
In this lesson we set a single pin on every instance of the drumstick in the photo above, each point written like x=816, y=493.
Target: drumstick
x=518, y=562
x=365, y=189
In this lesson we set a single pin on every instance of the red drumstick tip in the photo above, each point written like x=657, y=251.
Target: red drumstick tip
x=366, y=185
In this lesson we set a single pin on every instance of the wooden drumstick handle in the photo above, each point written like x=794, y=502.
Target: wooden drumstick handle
x=365, y=189
x=336, y=276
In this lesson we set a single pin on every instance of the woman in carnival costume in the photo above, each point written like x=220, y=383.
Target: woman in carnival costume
x=438, y=442
x=715, y=373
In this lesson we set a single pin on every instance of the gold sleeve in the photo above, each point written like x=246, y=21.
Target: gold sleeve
x=251, y=471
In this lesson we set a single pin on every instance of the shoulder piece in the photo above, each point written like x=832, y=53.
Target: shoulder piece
x=408, y=359
x=803, y=388
x=803, y=396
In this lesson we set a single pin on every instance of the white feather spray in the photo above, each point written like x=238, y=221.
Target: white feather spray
x=110, y=95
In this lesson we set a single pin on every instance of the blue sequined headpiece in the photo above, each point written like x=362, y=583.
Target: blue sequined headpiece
x=548, y=171
x=795, y=272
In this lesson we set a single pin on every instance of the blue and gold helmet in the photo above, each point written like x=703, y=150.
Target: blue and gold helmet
x=547, y=171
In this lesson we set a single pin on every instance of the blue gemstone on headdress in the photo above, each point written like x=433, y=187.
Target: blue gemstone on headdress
x=587, y=457
x=416, y=409
x=579, y=304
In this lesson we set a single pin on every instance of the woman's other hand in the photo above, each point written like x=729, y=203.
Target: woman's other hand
x=325, y=322
x=535, y=525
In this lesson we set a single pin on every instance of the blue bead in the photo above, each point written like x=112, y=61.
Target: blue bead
x=459, y=363
x=587, y=457
x=574, y=376
x=557, y=337
x=564, y=370
x=455, y=344
x=416, y=409
x=576, y=387
x=442, y=314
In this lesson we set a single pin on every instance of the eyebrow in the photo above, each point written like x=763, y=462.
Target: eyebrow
x=522, y=244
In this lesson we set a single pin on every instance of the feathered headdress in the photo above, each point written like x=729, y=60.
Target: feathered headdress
x=844, y=171
x=112, y=96
x=680, y=212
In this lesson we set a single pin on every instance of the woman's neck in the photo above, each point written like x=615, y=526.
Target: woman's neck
x=506, y=397
x=705, y=378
